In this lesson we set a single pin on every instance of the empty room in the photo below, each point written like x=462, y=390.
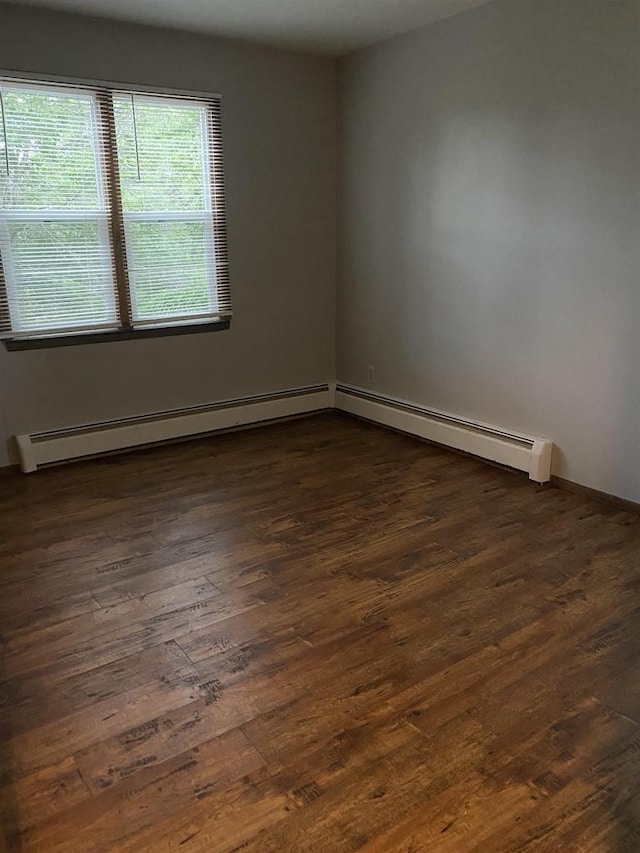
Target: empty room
x=320, y=426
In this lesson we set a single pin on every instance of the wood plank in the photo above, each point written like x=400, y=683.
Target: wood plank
x=120, y=812
x=39, y=796
x=108, y=634
x=35, y=700
x=63, y=736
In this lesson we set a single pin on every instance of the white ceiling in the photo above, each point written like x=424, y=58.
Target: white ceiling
x=324, y=26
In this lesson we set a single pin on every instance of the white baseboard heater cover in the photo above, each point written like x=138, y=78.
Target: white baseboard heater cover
x=43, y=448
x=521, y=452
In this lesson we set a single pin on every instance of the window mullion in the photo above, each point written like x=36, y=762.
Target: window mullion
x=109, y=145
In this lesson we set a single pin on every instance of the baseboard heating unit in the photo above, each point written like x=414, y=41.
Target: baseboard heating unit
x=43, y=448
x=522, y=452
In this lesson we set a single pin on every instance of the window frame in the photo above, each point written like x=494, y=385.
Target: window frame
x=105, y=93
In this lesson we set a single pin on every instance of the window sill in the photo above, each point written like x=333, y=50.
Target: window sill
x=15, y=344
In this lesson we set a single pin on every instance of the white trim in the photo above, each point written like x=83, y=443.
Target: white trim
x=14, y=76
x=168, y=216
x=150, y=98
x=43, y=214
x=522, y=452
x=15, y=84
x=60, y=445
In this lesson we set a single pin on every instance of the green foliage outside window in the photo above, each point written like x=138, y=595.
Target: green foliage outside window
x=55, y=165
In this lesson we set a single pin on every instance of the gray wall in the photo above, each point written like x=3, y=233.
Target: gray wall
x=490, y=224
x=279, y=128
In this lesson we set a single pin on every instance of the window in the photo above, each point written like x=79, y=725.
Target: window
x=111, y=212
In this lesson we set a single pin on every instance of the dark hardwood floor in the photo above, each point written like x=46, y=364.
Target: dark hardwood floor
x=315, y=636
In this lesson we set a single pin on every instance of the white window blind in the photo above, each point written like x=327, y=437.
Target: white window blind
x=111, y=211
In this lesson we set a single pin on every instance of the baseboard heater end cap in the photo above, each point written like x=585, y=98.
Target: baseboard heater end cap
x=540, y=466
x=28, y=462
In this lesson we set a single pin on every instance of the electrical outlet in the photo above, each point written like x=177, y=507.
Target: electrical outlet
x=371, y=374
